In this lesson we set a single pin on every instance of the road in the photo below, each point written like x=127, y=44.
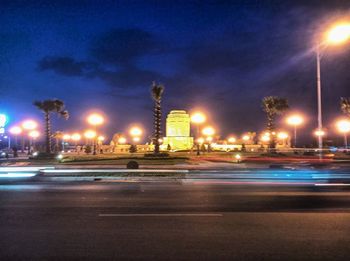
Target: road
x=173, y=220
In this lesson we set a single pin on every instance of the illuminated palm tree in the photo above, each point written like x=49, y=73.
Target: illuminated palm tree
x=273, y=106
x=157, y=91
x=48, y=107
x=345, y=105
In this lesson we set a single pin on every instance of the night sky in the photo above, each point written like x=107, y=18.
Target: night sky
x=219, y=56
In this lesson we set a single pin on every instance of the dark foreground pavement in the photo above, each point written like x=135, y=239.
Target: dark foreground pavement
x=173, y=221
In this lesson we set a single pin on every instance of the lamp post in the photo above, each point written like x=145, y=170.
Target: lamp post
x=28, y=125
x=15, y=131
x=198, y=118
x=90, y=135
x=338, y=34
x=295, y=120
x=76, y=138
x=95, y=120
x=208, y=132
x=135, y=133
x=33, y=135
x=343, y=127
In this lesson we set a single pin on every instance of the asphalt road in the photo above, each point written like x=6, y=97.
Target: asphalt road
x=173, y=221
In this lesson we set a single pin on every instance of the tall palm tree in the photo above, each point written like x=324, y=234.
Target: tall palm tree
x=58, y=136
x=157, y=91
x=345, y=105
x=273, y=106
x=48, y=107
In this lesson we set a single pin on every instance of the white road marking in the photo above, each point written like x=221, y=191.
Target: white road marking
x=162, y=215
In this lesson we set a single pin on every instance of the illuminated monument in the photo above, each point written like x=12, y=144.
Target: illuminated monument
x=178, y=131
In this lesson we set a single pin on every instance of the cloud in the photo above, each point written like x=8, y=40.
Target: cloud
x=123, y=46
x=65, y=65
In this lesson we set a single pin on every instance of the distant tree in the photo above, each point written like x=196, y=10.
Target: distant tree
x=273, y=106
x=345, y=106
x=168, y=147
x=157, y=92
x=88, y=149
x=58, y=136
x=48, y=107
x=133, y=148
x=243, y=149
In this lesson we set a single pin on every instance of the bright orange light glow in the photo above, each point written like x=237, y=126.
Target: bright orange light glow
x=265, y=138
x=282, y=135
x=76, y=136
x=15, y=130
x=29, y=125
x=209, y=139
x=200, y=140
x=100, y=138
x=95, y=119
x=208, y=131
x=198, y=118
x=122, y=140
x=295, y=120
x=340, y=33
x=343, y=126
x=90, y=134
x=34, y=134
x=66, y=137
x=246, y=137
x=136, y=139
x=135, y=131
x=231, y=139
x=320, y=133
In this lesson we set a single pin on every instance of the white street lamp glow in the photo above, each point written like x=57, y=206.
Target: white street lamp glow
x=339, y=34
x=100, y=138
x=282, y=135
x=320, y=133
x=136, y=139
x=122, y=140
x=76, y=136
x=95, y=119
x=15, y=130
x=29, y=125
x=135, y=131
x=66, y=137
x=198, y=118
x=34, y=134
x=90, y=134
x=265, y=138
x=245, y=137
x=208, y=131
x=231, y=139
x=343, y=126
x=295, y=120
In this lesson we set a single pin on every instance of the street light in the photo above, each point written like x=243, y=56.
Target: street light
x=15, y=131
x=198, y=118
x=135, y=131
x=34, y=134
x=338, y=34
x=295, y=120
x=95, y=120
x=29, y=125
x=208, y=131
x=231, y=139
x=343, y=127
x=121, y=140
x=90, y=134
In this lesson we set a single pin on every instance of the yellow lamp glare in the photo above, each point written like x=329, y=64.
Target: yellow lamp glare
x=15, y=130
x=122, y=140
x=136, y=139
x=339, y=34
x=95, y=119
x=198, y=118
x=200, y=140
x=208, y=131
x=209, y=139
x=238, y=157
x=295, y=120
x=265, y=138
x=34, y=134
x=29, y=125
x=320, y=133
x=231, y=139
x=245, y=137
x=135, y=131
x=66, y=137
x=89, y=134
x=282, y=135
x=100, y=138
x=76, y=137
x=343, y=126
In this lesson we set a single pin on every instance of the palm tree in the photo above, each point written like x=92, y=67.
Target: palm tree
x=157, y=91
x=48, y=107
x=345, y=105
x=273, y=106
x=58, y=136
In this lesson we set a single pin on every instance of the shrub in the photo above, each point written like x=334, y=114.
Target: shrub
x=132, y=164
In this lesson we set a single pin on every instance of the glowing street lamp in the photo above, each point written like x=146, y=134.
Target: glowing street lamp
x=343, y=127
x=245, y=137
x=15, y=131
x=265, y=138
x=208, y=131
x=319, y=133
x=200, y=141
x=95, y=120
x=198, y=118
x=136, y=139
x=90, y=134
x=29, y=125
x=231, y=139
x=122, y=140
x=66, y=137
x=135, y=131
x=295, y=120
x=282, y=135
x=34, y=134
x=338, y=34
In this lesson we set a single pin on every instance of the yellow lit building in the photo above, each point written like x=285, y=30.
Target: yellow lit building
x=178, y=127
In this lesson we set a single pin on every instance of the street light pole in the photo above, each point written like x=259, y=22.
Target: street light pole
x=319, y=98
x=295, y=136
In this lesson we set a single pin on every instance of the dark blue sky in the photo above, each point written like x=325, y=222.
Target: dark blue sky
x=222, y=56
